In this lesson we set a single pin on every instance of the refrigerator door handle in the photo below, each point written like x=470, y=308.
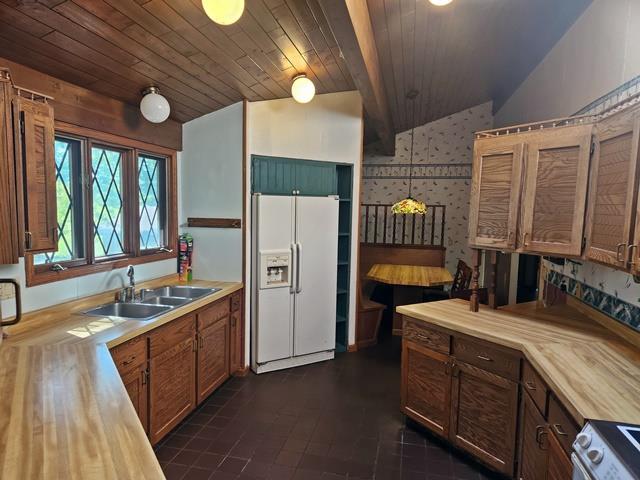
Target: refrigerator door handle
x=292, y=268
x=298, y=267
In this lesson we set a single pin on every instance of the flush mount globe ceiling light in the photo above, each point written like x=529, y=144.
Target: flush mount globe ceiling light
x=154, y=107
x=440, y=3
x=302, y=89
x=224, y=12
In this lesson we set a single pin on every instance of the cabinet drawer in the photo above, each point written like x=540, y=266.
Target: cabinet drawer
x=213, y=313
x=487, y=356
x=130, y=354
x=561, y=424
x=236, y=301
x=535, y=386
x=425, y=336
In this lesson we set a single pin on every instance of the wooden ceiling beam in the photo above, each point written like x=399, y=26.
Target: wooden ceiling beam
x=351, y=25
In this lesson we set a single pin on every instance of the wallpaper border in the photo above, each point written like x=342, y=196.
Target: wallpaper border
x=608, y=304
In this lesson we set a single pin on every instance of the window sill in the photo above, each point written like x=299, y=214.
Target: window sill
x=35, y=278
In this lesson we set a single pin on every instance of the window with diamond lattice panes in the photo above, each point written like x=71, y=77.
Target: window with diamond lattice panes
x=152, y=201
x=106, y=166
x=69, y=203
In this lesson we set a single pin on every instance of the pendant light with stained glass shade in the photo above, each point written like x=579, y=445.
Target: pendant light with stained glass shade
x=409, y=205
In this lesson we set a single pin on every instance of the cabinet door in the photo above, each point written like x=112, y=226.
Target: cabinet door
x=533, y=455
x=611, y=194
x=484, y=410
x=316, y=178
x=557, y=172
x=36, y=149
x=213, y=357
x=559, y=465
x=172, y=369
x=495, y=193
x=9, y=245
x=426, y=387
x=135, y=381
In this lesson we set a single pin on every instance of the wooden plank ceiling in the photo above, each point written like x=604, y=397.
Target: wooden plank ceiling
x=462, y=54
x=118, y=47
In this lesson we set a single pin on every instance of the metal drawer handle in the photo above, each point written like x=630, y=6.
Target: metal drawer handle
x=485, y=358
x=630, y=250
x=558, y=429
x=620, y=251
x=128, y=362
x=530, y=385
x=541, y=431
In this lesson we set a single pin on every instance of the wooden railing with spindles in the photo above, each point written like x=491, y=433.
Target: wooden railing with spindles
x=379, y=226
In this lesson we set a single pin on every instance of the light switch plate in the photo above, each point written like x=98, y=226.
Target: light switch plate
x=6, y=291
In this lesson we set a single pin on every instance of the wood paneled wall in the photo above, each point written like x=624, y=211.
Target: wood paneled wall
x=78, y=106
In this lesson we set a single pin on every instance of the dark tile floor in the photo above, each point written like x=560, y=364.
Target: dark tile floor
x=334, y=420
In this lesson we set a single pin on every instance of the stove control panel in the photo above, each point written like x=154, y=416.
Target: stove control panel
x=596, y=456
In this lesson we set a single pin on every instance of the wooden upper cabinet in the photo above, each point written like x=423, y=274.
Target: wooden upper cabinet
x=35, y=152
x=426, y=386
x=484, y=414
x=557, y=173
x=613, y=185
x=9, y=244
x=495, y=193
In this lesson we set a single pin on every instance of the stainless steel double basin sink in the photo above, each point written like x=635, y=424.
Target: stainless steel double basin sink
x=153, y=303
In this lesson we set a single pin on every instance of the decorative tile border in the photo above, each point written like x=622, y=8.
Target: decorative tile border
x=608, y=304
x=437, y=171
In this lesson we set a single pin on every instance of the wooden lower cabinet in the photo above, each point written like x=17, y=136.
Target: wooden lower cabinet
x=172, y=375
x=484, y=415
x=486, y=404
x=426, y=387
x=170, y=370
x=533, y=451
x=213, y=357
x=559, y=466
x=135, y=382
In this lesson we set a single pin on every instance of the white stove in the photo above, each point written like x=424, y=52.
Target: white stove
x=607, y=451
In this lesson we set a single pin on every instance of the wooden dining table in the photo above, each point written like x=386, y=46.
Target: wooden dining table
x=408, y=282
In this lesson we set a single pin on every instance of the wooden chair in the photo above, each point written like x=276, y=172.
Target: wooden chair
x=369, y=315
x=461, y=282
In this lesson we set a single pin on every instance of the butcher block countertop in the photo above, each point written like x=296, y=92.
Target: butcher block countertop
x=65, y=412
x=594, y=373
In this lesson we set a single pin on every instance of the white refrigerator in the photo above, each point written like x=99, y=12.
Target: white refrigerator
x=294, y=280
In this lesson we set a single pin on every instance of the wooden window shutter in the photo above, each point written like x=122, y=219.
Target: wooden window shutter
x=36, y=149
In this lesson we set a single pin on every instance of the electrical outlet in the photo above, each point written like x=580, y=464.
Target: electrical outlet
x=6, y=291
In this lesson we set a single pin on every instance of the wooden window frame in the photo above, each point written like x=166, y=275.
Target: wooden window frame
x=42, y=274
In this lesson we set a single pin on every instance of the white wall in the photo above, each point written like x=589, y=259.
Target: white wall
x=330, y=129
x=597, y=54
x=211, y=181
x=41, y=296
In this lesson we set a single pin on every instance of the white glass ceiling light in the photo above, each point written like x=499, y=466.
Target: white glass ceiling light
x=302, y=89
x=440, y=3
x=154, y=107
x=224, y=12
